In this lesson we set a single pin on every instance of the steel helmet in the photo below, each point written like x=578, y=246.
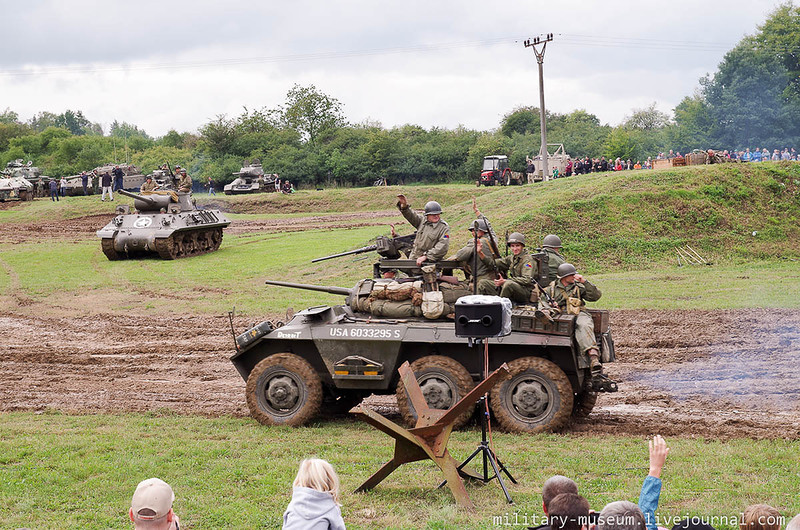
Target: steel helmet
x=481, y=223
x=516, y=237
x=552, y=241
x=566, y=269
x=433, y=208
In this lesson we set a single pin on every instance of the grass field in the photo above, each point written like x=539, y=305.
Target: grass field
x=65, y=471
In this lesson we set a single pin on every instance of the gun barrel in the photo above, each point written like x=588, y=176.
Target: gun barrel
x=321, y=288
x=143, y=198
x=348, y=253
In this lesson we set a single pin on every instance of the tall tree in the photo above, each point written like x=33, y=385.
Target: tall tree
x=311, y=112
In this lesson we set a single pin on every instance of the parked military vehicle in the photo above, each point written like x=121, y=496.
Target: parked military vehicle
x=327, y=358
x=557, y=158
x=20, y=181
x=251, y=179
x=15, y=189
x=75, y=185
x=167, y=223
x=131, y=180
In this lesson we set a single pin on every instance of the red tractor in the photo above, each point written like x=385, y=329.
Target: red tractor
x=495, y=171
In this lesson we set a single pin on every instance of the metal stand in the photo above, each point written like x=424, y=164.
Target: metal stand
x=489, y=457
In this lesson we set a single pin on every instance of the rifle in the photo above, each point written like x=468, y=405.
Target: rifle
x=388, y=247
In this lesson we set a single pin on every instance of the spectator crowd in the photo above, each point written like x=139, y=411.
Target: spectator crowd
x=315, y=505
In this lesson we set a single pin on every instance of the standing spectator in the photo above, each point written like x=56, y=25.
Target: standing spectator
x=755, y=156
x=785, y=154
x=315, y=498
x=54, y=190
x=118, y=178
x=85, y=182
x=530, y=169
x=63, y=185
x=106, y=183
x=765, y=155
x=568, y=169
x=747, y=156
x=151, y=506
x=775, y=155
x=211, y=190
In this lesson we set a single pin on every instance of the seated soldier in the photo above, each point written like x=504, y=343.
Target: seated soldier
x=570, y=291
x=520, y=270
x=184, y=183
x=149, y=185
x=484, y=274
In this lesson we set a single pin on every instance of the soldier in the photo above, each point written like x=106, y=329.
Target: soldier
x=148, y=185
x=484, y=274
x=570, y=291
x=184, y=182
x=519, y=267
x=551, y=245
x=433, y=234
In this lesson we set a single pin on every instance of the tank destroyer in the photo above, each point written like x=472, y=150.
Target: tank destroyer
x=250, y=179
x=327, y=358
x=166, y=223
x=132, y=178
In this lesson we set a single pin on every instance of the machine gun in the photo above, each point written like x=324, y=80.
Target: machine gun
x=388, y=247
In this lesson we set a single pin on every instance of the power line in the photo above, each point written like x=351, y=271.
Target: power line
x=568, y=39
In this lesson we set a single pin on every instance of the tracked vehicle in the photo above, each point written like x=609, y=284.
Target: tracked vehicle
x=250, y=179
x=327, y=358
x=167, y=223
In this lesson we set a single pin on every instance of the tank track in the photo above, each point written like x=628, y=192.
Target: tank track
x=187, y=243
x=108, y=249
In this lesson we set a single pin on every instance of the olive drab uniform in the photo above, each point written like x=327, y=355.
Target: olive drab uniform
x=554, y=259
x=485, y=272
x=433, y=239
x=584, y=325
x=184, y=183
x=520, y=272
x=149, y=185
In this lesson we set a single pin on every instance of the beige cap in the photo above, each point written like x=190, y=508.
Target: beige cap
x=152, y=495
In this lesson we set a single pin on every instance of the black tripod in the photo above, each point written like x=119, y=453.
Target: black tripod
x=489, y=457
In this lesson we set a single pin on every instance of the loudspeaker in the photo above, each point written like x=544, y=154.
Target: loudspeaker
x=483, y=316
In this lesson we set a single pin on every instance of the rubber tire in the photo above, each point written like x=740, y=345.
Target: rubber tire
x=583, y=405
x=445, y=369
x=550, y=379
x=304, y=378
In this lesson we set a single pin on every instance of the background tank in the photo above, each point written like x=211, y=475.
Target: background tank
x=327, y=358
x=250, y=179
x=20, y=181
x=168, y=224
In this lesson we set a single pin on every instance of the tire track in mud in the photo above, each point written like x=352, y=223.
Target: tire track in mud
x=684, y=381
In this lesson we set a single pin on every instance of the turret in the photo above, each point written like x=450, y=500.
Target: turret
x=148, y=203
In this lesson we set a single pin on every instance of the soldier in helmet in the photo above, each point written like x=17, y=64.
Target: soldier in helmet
x=184, y=182
x=433, y=234
x=519, y=268
x=570, y=291
x=149, y=185
x=551, y=245
x=484, y=274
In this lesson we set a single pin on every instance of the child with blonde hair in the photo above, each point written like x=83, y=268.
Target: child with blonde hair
x=315, y=497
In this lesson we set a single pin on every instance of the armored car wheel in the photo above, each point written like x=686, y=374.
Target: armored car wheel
x=444, y=381
x=536, y=398
x=583, y=404
x=284, y=389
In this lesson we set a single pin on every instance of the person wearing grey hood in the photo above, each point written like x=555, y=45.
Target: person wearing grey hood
x=315, y=495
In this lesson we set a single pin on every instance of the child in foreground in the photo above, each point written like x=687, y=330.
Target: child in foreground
x=315, y=497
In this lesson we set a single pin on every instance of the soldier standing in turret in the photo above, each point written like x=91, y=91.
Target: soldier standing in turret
x=433, y=234
x=551, y=245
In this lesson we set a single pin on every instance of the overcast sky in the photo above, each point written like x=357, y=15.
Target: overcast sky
x=163, y=64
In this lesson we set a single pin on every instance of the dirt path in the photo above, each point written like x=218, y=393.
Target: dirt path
x=715, y=374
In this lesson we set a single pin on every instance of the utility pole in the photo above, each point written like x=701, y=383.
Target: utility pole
x=540, y=59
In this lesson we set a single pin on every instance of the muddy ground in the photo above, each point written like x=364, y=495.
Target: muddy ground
x=712, y=374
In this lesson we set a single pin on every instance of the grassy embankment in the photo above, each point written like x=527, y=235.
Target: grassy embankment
x=59, y=471
x=621, y=229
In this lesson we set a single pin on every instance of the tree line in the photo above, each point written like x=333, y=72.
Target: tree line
x=753, y=99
